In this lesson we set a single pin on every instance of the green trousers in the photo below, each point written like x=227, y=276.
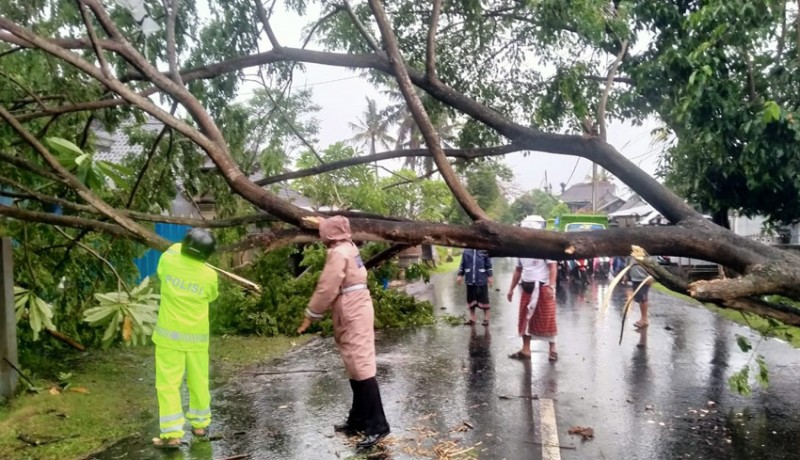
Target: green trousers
x=170, y=368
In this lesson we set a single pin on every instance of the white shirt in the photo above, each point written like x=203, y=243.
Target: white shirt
x=535, y=270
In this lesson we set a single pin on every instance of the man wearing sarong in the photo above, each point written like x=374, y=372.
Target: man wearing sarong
x=537, y=306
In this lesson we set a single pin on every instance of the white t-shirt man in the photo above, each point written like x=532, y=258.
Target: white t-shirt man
x=535, y=270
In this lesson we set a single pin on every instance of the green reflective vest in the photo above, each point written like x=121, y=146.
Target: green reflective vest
x=187, y=287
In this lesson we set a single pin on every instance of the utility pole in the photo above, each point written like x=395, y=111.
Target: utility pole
x=8, y=322
x=594, y=187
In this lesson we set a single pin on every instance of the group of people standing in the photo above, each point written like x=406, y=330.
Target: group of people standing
x=537, y=304
x=189, y=284
x=537, y=307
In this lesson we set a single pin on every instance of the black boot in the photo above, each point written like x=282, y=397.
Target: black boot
x=375, y=425
x=355, y=419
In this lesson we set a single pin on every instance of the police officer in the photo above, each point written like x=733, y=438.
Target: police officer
x=181, y=336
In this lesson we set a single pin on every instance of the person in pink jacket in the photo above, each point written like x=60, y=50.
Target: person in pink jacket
x=342, y=287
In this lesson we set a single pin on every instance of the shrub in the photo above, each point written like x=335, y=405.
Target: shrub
x=280, y=306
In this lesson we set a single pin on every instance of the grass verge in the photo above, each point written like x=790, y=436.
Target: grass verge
x=448, y=267
x=110, y=395
x=770, y=328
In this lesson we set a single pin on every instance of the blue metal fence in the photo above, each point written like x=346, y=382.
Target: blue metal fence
x=148, y=263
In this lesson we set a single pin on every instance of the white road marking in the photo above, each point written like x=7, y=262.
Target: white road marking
x=549, y=430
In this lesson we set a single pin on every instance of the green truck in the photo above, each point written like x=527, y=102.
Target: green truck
x=578, y=222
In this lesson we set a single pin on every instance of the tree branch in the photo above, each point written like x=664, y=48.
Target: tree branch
x=416, y=108
x=150, y=156
x=82, y=190
x=172, y=53
x=340, y=164
x=412, y=180
x=139, y=216
x=264, y=18
x=81, y=107
x=373, y=44
x=385, y=255
x=24, y=88
x=210, y=140
x=98, y=50
x=29, y=166
x=666, y=202
x=430, y=50
x=601, y=109
x=270, y=240
x=64, y=221
x=626, y=80
x=95, y=254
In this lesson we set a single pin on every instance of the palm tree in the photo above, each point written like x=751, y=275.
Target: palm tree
x=408, y=133
x=372, y=128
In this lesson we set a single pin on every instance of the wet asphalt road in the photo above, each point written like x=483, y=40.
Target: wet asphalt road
x=449, y=388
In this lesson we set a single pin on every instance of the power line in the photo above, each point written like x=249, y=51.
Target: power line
x=331, y=81
x=573, y=171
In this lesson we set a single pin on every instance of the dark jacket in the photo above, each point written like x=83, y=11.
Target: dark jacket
x=476, y=267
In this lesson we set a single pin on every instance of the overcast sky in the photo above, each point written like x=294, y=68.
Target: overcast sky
x=341, y=95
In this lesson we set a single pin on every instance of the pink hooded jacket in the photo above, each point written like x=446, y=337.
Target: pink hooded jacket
x=353, y=314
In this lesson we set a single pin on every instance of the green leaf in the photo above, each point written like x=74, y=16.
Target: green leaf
x=46, y=311
x=740, y=382
x=763, y=373
x=111, y=331
x=772, y=111
x=744, y=343
x=114, y=172
x=63, y=148
x=98, y=314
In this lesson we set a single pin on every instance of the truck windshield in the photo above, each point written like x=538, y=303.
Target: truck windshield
x=579, y=227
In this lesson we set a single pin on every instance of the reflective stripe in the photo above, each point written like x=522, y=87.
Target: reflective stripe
x=198, y=412
x=355, y=287
x=172, y=429
x=181, y=336
x=170, y=418
x=313, y=315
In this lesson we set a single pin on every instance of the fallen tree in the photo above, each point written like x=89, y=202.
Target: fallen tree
x=114, y=71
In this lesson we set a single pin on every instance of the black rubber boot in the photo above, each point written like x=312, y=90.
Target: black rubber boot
x=355, y=419
x=375, y=425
